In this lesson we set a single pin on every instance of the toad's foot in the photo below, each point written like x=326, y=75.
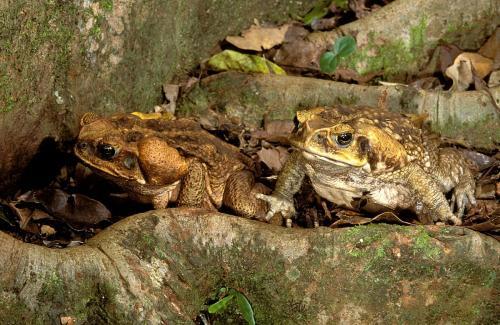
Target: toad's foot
x=277, y=204
x=463, y=196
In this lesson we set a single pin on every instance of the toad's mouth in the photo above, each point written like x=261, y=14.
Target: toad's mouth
x=315, y=156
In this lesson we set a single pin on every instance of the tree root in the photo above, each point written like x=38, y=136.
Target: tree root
x=469, y=116
x=161, y=266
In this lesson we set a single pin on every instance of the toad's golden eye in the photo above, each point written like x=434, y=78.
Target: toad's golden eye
x=106, y=151
x=343, y=139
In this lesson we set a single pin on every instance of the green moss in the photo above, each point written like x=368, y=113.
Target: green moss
x=342, y=4
x=423, y=244
x=53, y=288
x=349, y=100
x=392, y=57
x=13, y=310
x=484, y=133
x=106, y=5
x=46, y=33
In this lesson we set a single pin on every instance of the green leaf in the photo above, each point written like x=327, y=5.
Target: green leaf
x=220, y=305
x=244, y=307
x=344, y=46
x=319, y=11
x=328, y=62
x=232, y=60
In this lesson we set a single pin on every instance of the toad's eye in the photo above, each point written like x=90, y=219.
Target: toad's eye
x=106, y=151
x=344, y=139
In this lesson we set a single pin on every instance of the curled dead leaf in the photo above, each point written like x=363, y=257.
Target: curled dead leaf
x=465, y=67
x=76, y=209
x=67, y=320
x=356, y=219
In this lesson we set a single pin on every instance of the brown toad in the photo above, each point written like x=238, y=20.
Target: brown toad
x=373, y=160
x=157, y=161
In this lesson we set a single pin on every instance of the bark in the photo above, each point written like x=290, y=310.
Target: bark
x=468, y=115
x=398, y=39
x=161, y=266
x=59, y=59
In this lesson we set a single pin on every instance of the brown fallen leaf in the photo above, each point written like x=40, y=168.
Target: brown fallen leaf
x=47, y=230
x=67, y=320
x=442, y=57
x=465, y=67
x=485, y=191
x=491, y=49
x=274, y=158
x=24, y=215
x=481, y=160
x=76, y=209
x=387, y=217
x=427, y=83
x=300, y=54
x=359, y=8
x=171, y=92
x=258, y=38
x=324, y=23
x=493, y=224
x=277, y=131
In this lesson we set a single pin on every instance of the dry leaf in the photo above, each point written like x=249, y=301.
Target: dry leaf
x=277, y=131
x=233, y=60
x=300, y=54
x=387, y=217
x=47, y=230
x=491, y=49
x=258, y=38
x=427, y=83
x=67, y=320
x=76, y=209
x=481, y=160
x=274, y=158
x=465, y=66
x=24, y=215
x=171, y=92
x=359, y=8
x=154, y=116
x=492, y=224
x=324, y=24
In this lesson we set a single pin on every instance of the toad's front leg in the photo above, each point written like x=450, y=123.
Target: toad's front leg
x=288, y=183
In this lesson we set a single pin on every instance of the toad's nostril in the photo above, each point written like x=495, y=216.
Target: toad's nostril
x=129, y=162
x=82, y=145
